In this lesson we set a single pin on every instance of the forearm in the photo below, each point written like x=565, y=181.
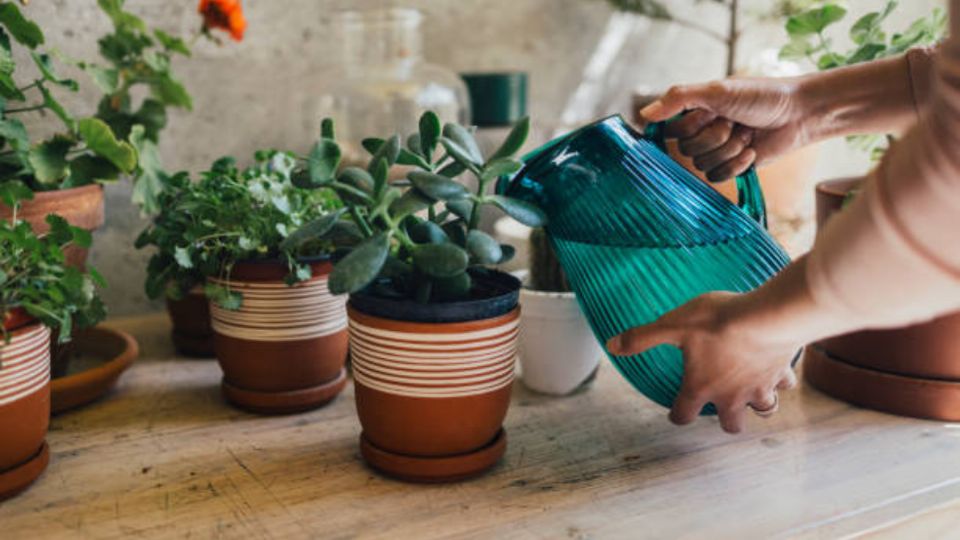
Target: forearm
x=874, y=97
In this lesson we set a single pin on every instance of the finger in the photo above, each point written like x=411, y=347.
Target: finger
x=733, y=167
x=732, y=416
x=690, y=124
x=687, y=405
x=738, y=142
x=710, y=138
x=638, y=339
x=764, y=401
x=681, y=98
x=788, y=381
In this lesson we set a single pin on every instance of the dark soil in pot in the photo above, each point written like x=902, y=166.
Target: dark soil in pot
x=284, y=350
x=924, y=351
x=433, y=381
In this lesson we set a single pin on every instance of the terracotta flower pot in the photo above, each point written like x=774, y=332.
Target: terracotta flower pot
x=432, y=396
x=888, y=370
x=24, y=405
x=558, y=351
x=81, y=207
x=284, y=350
x=192, y=333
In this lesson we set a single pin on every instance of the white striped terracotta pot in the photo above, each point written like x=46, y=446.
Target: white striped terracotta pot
x=286, y=345
x=24, y=394
x=432, y=389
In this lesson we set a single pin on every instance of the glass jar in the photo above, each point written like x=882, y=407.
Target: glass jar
x=384, y=84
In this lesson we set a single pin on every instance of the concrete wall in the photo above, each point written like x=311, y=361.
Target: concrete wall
x=255, y=94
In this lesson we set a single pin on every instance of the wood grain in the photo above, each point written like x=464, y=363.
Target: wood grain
x=164, y=457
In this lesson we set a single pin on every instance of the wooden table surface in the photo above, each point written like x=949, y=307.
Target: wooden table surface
x=164, y=457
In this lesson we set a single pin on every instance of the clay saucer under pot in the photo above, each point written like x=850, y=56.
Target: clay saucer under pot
x=284, y=350
x=432, y=389
x=96, y=357
x=24, y=403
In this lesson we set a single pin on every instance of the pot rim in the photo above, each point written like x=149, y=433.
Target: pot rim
x=21, y=317
x=464, y=311
x=560, y=295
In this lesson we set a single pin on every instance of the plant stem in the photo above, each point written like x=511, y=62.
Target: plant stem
x=733, y=36
x=361, y=222
x=29, y=86
x=475, y=209
x=26, y=109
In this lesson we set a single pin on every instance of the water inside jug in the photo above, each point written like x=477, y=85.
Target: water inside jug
x=638, y=235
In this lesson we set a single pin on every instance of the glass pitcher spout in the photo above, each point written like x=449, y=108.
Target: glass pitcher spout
x=638, y=235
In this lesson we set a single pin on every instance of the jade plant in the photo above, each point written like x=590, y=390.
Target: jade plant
x=34, y=275
x=232, y=215
x=414, y=238
x=808, y=32
x=546, y=274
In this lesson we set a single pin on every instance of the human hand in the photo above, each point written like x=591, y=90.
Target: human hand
x=727, y=360
x=733, y=123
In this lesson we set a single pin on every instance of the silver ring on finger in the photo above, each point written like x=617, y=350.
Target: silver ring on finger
x=768, y=411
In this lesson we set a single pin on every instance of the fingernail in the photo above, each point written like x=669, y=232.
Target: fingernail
x=652, y=111
x=615, y=344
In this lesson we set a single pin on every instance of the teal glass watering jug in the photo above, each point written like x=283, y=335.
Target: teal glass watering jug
x=638, y=235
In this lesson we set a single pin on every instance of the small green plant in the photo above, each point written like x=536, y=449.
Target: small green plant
x=417, y=237
x=546, y=274
x=34, y=275
x=809, y=40
x=231, y=215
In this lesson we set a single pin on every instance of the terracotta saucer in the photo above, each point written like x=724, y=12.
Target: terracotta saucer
x=193, y=346
x=292, y=401
x=19, y=478
x=98, y=357
x=434, y=469
x=935, y=399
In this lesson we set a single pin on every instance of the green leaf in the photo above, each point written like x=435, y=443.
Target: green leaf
x=171, y=92
x=327, y=130
x=409, y=203
x=172, y=43
x=372, y=144
x=101, y=141
x=311, y=230
x=452, y=288
x=407, y=157
x=864, y=53
x=500, y=167
x=323, y=161
x=15, y=133
x=463, y=141
x=413, y=145
x=14, y=191
x=87, y=169
x=152, y=115
x=814, y=21
x=358, y=178
x=389, y=151
x=440, y=260
x=830, y=61
x=514, y=141
x=522, y=211
x=106, y=79
x=483, y=248
x=26, y=32
x=427, y=232
x=797, y=48
x=429, y=134
x=49, y=159
x=508, y=253
x=360, y=266
x=182, y=257
x=456, y=232
x=224, y=297
x=379, y=172
x=461, y=208
x=148, y=181
x=46, y=70
x=436, y=186
x=452, y=169
x=123, y=20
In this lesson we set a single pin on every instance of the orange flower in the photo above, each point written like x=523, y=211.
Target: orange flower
x=225, y=15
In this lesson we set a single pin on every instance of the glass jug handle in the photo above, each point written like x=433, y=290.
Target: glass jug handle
x=749, y=194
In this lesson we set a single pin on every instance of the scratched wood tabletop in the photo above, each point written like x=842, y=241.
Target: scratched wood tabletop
x=164, y=457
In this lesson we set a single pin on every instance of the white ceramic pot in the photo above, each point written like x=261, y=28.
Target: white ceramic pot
x=558, y=351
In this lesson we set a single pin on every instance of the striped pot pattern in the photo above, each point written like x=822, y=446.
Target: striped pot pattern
x=24, y=394
x=432, y=389
x=285, y=342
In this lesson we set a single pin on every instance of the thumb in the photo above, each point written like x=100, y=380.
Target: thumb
x=640, y=338
x=679, y=99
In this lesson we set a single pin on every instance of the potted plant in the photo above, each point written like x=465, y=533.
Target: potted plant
x=911, y=371
x=40, y=295
x=279, y=335
x=558, y=352
x=180, y=286
x=433, y=330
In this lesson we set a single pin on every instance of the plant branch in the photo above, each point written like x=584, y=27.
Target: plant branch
x=26, y=109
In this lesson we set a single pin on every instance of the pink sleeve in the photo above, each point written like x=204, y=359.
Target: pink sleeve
x=893, y=257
